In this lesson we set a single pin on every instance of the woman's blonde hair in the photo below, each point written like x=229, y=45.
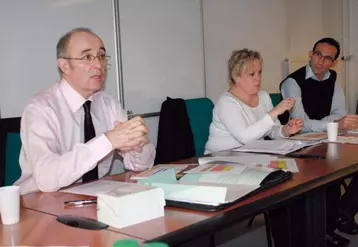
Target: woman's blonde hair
x=239, y=60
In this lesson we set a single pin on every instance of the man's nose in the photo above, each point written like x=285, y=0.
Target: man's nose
x=97, y=62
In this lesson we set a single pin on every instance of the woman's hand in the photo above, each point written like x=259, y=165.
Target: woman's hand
x=292, y=127
x=284, y=105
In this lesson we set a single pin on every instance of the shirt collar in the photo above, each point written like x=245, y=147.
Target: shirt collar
x=73, y=98
x=310, y=74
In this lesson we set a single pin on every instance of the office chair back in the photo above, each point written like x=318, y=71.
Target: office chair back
x=275, y=98
x=10, y=146
x=200, y=112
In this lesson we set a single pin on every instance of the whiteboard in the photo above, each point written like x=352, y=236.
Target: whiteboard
x=30, y=31
x=162, y=52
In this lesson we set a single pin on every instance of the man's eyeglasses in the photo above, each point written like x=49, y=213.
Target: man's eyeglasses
x=103, y=58
x=325, y=58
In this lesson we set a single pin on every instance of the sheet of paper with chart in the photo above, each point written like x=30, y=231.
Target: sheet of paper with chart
x=254, y=161
x=218, y=169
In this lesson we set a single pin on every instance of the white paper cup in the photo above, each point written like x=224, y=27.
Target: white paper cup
x=332, y=131
x=10, y=204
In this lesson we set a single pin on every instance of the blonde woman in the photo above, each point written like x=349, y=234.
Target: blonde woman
x=245, y=113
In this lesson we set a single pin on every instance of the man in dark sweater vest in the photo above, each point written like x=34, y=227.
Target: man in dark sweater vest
x=319, y=100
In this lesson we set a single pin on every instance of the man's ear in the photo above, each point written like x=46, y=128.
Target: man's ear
x=63, y=65
x=310, y=53
x=334, y=63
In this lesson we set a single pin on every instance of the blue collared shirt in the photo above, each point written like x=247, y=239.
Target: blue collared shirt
x=290, y=88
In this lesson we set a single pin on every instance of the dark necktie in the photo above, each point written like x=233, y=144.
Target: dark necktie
x=89, y=134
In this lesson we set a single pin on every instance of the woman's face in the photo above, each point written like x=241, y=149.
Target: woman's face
x=249, y=81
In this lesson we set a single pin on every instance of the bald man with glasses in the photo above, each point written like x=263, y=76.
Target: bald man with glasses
x=71, y=131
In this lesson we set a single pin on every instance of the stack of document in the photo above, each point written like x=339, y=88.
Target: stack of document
x=310, y=136
x=130, y=204
x=346, y=139
x=278, y=146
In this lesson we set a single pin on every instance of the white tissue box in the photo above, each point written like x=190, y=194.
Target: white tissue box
x=130, y=204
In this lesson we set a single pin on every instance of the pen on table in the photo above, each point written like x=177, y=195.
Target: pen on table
x=306, y=156
x=339, y=119
x=80, y=202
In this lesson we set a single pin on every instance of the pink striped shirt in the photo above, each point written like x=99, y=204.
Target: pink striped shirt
x=53, y=154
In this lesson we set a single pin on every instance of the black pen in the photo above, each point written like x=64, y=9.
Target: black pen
x=80, y=202
x=306, y=156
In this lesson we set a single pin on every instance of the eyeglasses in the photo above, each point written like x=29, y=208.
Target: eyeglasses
x=325, y=58
x=103, y=58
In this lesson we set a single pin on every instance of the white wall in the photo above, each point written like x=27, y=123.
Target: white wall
x=278, y=29
x=309, y=21
x=352, y=66
x=30, y=31
x=236, y=24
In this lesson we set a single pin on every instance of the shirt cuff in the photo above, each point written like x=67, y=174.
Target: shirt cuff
x=281, y=132
x=268, y=120
x=140, y=161
x=100, y=147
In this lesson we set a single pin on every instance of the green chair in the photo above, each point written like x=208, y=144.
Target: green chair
x=10, y=146
x=200, y=113
x=275, y=98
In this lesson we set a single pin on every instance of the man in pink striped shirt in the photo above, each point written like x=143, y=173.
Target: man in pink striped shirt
x=54, y=153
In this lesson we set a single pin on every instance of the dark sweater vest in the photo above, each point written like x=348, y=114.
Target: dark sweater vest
x=316, y=95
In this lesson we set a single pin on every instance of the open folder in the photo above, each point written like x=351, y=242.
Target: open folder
x=212, y=192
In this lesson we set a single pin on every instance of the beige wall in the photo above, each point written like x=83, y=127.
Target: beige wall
x=278, y=29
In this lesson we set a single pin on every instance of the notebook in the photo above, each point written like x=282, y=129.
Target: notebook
x=240, y=187
x=214, y=191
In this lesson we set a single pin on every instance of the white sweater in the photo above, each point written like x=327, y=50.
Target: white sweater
x=235, y=123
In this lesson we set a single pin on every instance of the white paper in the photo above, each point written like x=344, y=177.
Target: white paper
x=355, y=131
x=93, y=188
x=311, y=136
x=347, y=139
x=233, y=193
x=239, y=191
x=248, y=177
x=280, y=146
x=190, y=192
x=123, y=206
x=278, y=163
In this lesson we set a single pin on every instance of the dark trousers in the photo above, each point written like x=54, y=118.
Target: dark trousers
x=349, y=200
x=288, y=223
x=333, y=194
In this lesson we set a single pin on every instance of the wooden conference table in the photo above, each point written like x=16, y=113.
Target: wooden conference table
x=180, y=226
x=42, y=229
